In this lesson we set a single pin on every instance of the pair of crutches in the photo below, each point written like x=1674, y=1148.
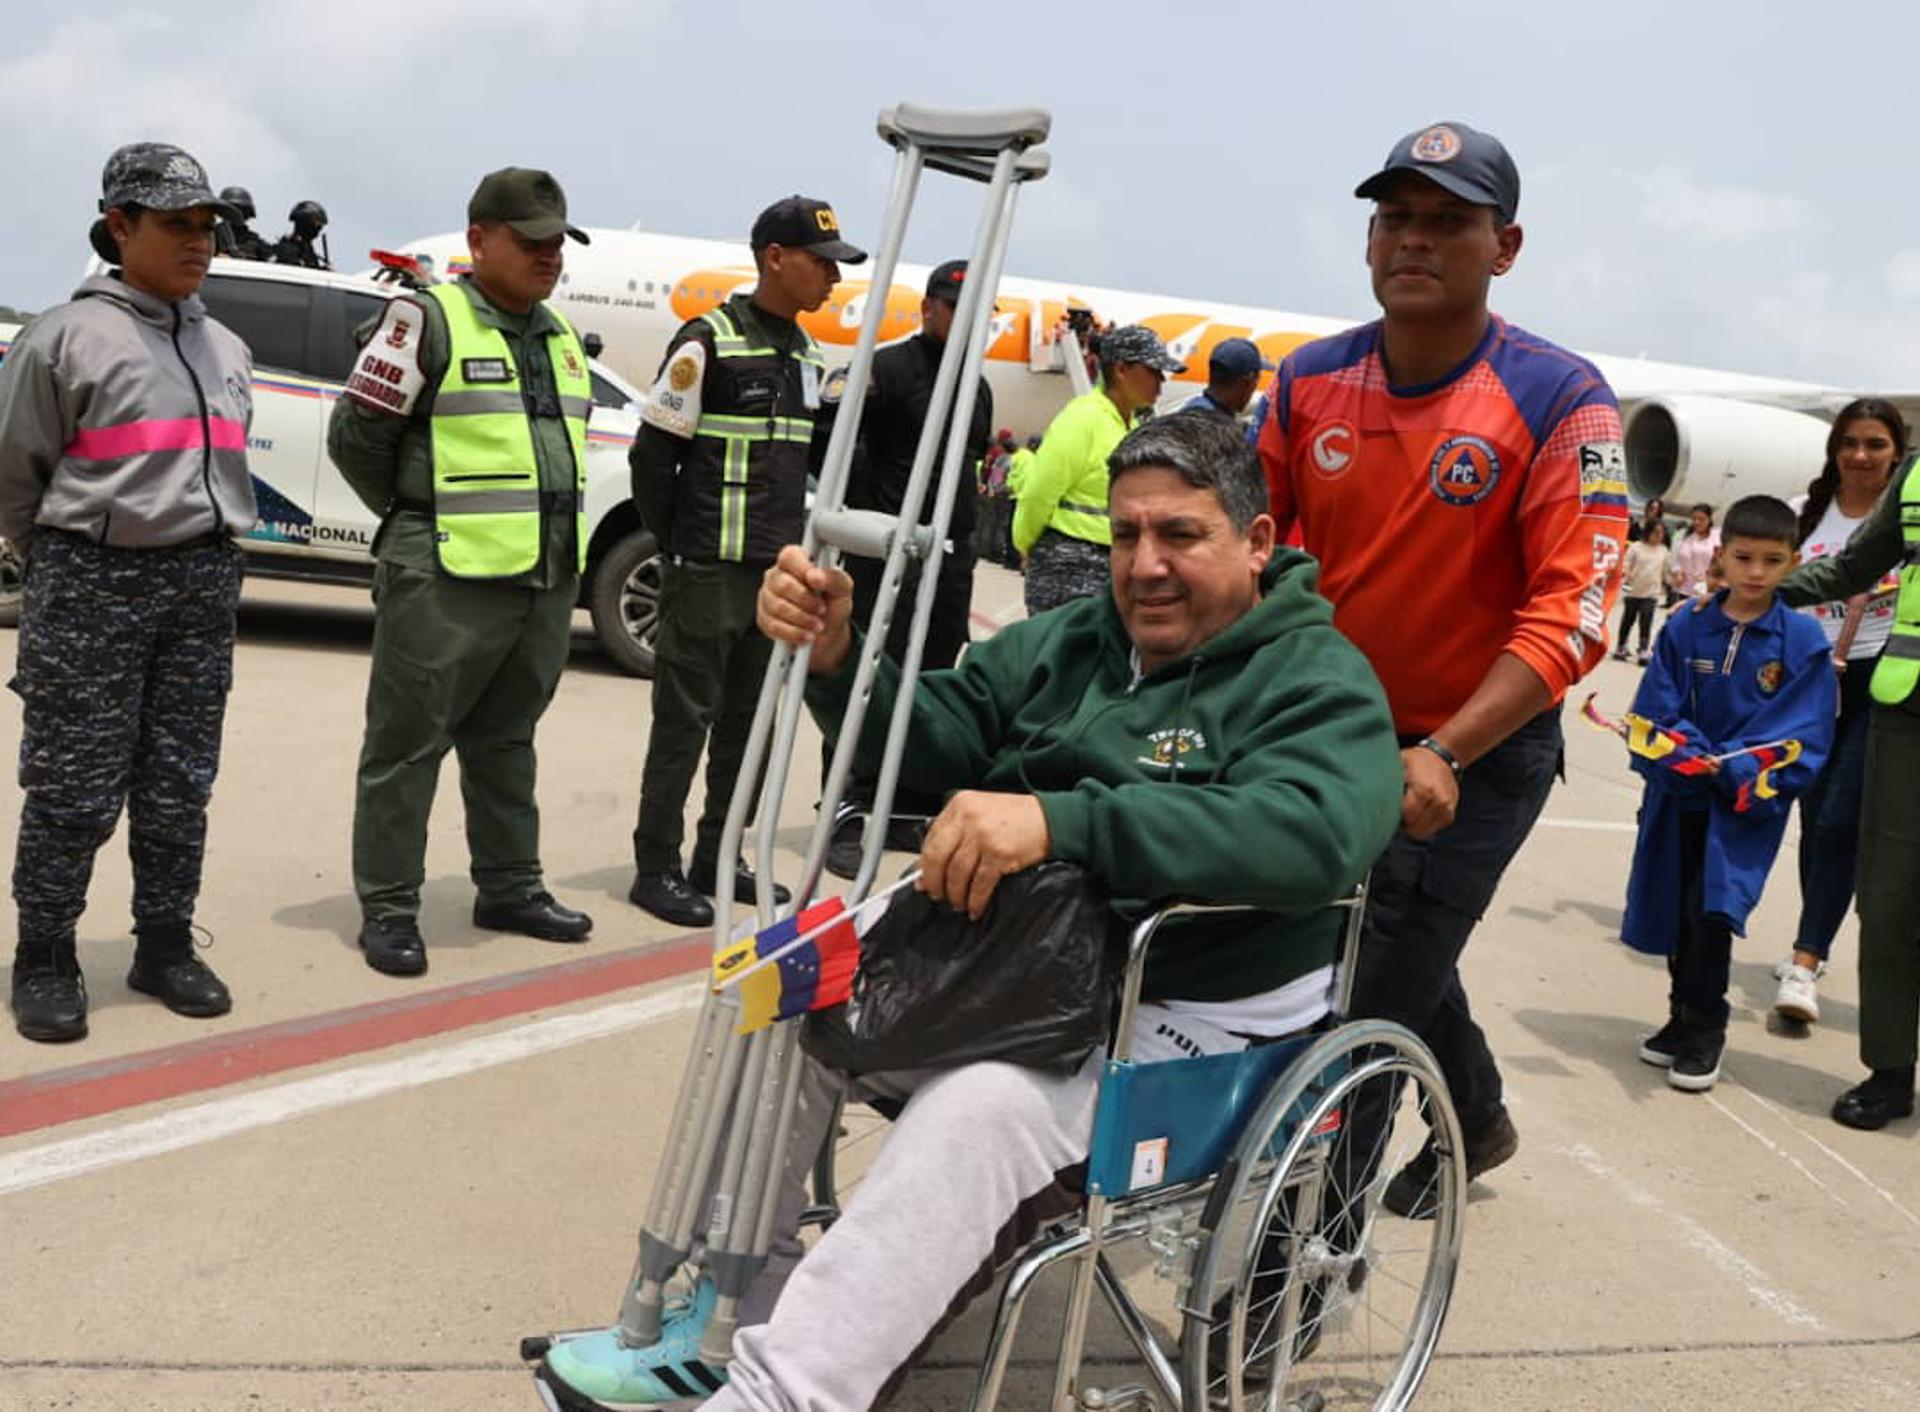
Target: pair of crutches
x=721, y=1173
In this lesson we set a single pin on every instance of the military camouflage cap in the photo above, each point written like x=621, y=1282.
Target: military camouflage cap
x=160, y=177
x=1136, y=343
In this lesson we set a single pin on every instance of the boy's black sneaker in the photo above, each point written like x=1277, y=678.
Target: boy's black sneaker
x=1662, y=1046
x=49, y=1005
x=1696, y=1060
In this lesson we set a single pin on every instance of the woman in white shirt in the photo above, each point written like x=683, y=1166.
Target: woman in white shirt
x=1867, y=441
x=1641, y=582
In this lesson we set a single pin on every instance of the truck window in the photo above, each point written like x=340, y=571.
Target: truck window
x=270, y=318
x=336, y=352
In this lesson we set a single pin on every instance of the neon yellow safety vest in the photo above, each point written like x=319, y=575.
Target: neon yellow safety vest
x=1898, y=670
x=1071, y=463
x=486, y=479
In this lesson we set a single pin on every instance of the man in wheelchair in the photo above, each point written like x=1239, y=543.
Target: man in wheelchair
x=1202, y=733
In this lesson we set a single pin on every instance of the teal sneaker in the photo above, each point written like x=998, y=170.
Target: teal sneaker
x=600, y=1367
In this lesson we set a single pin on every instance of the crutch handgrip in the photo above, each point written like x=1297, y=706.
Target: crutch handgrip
x=963, y=129
x=867, y=533
x=1031, y=165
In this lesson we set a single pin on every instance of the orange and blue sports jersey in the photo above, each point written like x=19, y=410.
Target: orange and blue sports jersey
x=1480, y=514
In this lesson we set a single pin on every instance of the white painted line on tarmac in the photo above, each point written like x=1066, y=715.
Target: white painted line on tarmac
x=1598, y=825
x=1717, y=1252
x=1865, y=1180
x=205, y=1122
x=1774, y=1148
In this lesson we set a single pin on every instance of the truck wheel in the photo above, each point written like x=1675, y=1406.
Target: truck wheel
x=625, y=601
x=11, y=581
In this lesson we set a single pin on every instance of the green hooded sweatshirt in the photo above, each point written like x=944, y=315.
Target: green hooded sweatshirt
x=1261, y=770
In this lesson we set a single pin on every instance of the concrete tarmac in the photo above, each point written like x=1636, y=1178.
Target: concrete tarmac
x=359, y=1192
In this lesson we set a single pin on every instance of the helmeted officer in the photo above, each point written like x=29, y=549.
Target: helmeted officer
x=233, y=237
x=464, y=427
x=297, y=246
x=730, y=432
x=900, y=389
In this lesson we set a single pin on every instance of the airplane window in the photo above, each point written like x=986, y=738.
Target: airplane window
x=566, y=279
x=649, y=286
x=632, y=285
x=270, y=318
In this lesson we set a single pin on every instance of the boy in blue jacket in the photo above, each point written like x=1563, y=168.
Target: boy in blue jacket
x=1735, y=716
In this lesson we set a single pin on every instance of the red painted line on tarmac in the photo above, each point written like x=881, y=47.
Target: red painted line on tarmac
x=109, y=1085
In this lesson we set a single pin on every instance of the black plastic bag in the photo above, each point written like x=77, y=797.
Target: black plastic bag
x=1032, y=982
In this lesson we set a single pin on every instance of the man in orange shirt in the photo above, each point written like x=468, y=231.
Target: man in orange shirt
x=1462, y=483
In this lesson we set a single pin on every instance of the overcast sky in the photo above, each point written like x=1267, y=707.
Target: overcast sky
x=1715, y=183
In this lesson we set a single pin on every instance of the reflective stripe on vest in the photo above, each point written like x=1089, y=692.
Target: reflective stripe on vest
x=1898, y=671
x=739, y=435
x=486, y=477
x=1082, y=520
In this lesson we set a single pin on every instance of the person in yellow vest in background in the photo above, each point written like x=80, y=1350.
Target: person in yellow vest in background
x=1020, y=464
x=1888, y=891
x=464, y=427
x=1060, y=521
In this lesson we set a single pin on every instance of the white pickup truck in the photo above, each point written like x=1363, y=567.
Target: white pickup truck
x=300, y=325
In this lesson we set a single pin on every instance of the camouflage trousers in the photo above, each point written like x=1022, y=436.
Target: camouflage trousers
x=125, y=659
x=1061, y=568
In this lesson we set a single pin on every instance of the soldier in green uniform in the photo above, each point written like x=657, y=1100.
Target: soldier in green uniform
x=464, y=427
x=734, y=425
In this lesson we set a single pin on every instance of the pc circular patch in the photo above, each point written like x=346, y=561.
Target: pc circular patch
x=1438, y=143
x=684, y=373
x=1769, y=676
x=1464, y=470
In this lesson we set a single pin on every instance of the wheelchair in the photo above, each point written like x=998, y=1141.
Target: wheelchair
x=1251, y=1184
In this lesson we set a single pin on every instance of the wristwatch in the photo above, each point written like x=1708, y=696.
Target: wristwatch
x=1435, y=747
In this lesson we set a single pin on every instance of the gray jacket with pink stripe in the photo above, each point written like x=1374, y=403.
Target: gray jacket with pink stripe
x=124, y=418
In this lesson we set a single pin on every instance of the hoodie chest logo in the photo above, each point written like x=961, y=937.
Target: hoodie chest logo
x=1166, y=748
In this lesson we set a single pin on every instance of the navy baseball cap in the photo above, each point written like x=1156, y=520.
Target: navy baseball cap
x=1236, y=358
x=1465, y=161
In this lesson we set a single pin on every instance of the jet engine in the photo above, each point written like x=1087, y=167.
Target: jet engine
x=1690, y=449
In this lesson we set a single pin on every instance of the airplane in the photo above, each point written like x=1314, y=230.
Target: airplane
x=1692, y=434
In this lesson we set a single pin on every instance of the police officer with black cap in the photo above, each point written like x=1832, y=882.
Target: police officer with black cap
x=464, y=427
x=235, y=238
x=732, y=428
x=1233, y=376
x=898, y=393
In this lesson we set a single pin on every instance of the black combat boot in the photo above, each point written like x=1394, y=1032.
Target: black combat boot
x=49, y=997
x=165, y=967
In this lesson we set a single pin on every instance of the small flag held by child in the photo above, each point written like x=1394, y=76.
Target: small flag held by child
x=1774, y=755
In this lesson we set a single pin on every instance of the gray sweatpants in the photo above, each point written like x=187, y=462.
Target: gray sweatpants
x=965, y=1176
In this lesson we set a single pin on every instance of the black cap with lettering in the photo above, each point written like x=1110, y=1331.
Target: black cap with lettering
x=1469, y=163
x=802, y=223
x=527, y=200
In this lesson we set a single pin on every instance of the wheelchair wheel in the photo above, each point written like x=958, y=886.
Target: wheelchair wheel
x=1307, y=1293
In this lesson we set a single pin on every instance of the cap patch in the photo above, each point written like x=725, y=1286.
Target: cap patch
x=1438, y=143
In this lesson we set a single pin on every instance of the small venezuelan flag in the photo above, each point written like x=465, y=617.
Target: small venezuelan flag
x=1651, y=742
x=1771, y=757
x=813, y=975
